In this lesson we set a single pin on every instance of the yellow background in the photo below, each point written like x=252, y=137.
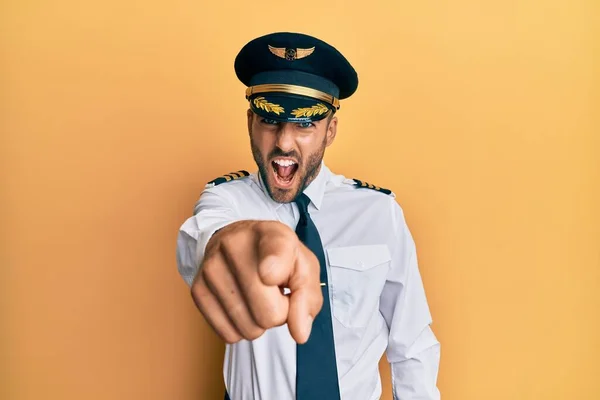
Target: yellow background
x=482, y=116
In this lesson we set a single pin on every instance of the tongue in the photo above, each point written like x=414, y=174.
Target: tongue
x=285, y=172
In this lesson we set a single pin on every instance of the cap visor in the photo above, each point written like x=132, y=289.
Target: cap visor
x=289, y=107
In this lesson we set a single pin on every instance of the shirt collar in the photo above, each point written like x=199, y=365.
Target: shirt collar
x=315, y=190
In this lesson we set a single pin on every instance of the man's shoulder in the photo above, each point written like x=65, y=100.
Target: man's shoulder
x=355, y=195
x=343, y=184
x=229, y=177
x=231, y=182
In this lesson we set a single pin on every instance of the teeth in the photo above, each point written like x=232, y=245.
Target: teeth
x=284, y=163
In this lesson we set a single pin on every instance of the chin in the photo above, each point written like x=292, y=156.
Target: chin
x=283, y=195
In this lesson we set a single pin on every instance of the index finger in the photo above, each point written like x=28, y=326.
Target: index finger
x=306, y=298
x=268, y=306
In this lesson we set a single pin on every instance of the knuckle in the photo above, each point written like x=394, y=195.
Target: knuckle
x=278, y=317
x=267, y=320
x=199, y=292
x=236, y=311
x=249, y=330
x=285, y=234
x=228, y=241
x=265, y=241
x=273, y=315
x=230, y=337
x=278, y=244
x=254, y=333
x=313, y=263
x=274, y=230
x=318, y=300
x=263, y=227
x=210, y=272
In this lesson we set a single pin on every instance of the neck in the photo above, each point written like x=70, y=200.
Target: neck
x=311, y=178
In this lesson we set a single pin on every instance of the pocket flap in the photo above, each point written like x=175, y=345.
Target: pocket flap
x=358, y=258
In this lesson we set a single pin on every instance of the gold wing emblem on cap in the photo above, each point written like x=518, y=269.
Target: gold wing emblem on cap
x=291, y=54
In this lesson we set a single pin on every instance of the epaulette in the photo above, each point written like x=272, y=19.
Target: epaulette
x=227, y=178
x=365, y=185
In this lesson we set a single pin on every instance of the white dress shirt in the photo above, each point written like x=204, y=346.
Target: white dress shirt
x=377, y=297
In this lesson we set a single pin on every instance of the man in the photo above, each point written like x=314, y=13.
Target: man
x=309, y=277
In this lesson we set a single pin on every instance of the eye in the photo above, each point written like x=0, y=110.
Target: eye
x=269, y=121
x=305, y=124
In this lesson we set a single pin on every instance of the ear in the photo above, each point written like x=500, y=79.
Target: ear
x=331, y=130
x=250, y=116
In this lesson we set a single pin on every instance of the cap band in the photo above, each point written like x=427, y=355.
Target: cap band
x=295, y=77
x=293, y=89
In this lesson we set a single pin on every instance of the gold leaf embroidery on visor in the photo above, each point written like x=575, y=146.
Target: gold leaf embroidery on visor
x=317, y=109
x=263, y=104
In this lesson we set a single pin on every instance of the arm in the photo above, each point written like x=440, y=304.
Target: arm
x=230, y=275
x=211, y=213
x=413, y=350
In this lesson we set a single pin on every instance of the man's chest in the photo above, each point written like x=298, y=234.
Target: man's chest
x=358, y=244
x=357, y=238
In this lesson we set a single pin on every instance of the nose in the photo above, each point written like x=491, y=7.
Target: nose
x=285, y=137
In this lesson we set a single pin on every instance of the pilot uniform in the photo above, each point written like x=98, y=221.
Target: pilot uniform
x=377, y=303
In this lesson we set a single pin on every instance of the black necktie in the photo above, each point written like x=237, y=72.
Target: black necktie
x=316, y=370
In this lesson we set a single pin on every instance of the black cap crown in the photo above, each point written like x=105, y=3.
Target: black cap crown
x=294, y=77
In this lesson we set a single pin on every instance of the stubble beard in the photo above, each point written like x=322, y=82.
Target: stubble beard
x=308, y=173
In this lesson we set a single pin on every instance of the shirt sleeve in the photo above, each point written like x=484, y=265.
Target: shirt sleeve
x=413, y=350
x=212, y=212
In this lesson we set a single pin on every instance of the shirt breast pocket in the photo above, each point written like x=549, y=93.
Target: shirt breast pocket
x=357, y=276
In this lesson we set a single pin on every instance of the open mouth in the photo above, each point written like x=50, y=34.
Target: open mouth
x=284, y=171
